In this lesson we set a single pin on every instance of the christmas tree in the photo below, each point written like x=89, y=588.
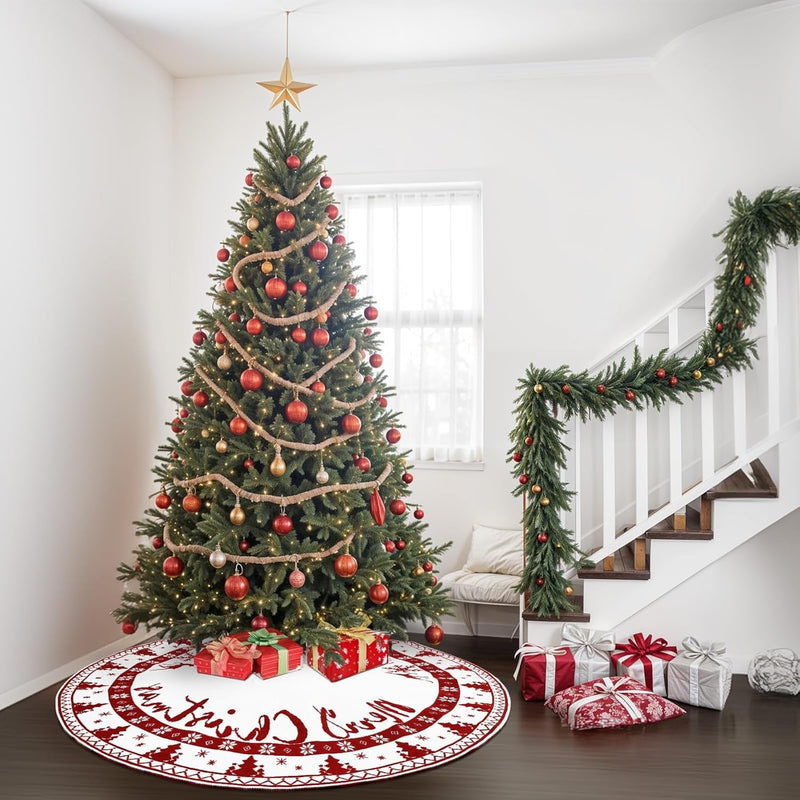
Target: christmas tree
x=272, y=482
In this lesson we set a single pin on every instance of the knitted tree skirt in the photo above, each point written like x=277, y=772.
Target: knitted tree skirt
x=148, y=708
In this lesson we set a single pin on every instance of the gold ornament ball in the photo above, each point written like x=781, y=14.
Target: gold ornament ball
x=427, y=590
x=252, y=224
x=538, y=388
x=205, y=433
x=710, y=361
x=237, y=515
x=266, y=267
x=278, y=466
x=569, y=591
x=224, y=362
x=536, y=489
x=545, y=501
x=417, y=571
x=697, y=374
x=221, y=446
x=719, y=355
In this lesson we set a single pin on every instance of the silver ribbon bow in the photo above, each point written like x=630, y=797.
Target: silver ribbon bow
x=585, y=642
x=605, y=687
x=697, y=651
x=535, y=650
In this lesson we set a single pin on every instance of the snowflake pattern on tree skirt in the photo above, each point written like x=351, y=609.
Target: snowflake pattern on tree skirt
x=148, y=708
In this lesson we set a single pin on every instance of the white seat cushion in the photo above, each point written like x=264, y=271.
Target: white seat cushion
x=481, y=587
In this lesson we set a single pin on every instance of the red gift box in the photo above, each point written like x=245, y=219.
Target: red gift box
x=276, y=655
x=543, y=671
x=228, y=657
x=361, y=648
x=645, y=659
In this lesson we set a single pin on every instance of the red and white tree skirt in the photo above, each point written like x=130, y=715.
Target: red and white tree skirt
x=149, y=709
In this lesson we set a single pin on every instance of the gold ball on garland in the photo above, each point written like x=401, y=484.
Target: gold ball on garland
x=417, y=571
x=569, y=591
x=697, y=374
x=710, y=361
x=221, y=446
x=266, y=267
x=237, y=515
x=278, y=466
x=426, y=590
x=720, y=355
x=536, y=489
x=252, y=224
x=205, y=433
x=538, y=388
x=545, y=501
x=741, y=267
x=224, y=362
x=217, y=558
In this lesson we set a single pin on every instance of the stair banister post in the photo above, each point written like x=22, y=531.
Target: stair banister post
x=609, y=483
x=773, y=344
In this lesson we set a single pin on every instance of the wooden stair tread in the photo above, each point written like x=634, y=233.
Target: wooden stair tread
x=623, y=568
x=577, y=615
x=665, y=529
x=739, y=484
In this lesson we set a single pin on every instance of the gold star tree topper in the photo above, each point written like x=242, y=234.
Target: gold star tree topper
x=286, y=88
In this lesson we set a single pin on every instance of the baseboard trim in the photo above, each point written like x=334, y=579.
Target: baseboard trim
x=495, y=630
x=65, y=670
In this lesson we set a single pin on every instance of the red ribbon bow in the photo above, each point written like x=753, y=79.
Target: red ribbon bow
x=228, y=647
x=640, y=645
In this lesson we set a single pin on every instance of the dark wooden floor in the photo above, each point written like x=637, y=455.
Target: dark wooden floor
x=750, y=750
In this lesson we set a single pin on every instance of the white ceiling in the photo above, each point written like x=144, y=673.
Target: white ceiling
x=221, y=37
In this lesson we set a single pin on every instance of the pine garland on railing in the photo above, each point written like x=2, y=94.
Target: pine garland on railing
x=539, y=451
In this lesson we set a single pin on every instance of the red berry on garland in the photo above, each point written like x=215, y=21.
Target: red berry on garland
x=237, y=587
x=352, y=289
x=339, y=239
x=200, y=398
x=418, y=513
x=400, y=544
x=298, y=335
x=299, y=287
x=282, y=524
x=157, y=542
x=601, y=389
x=367, y=331
x=517, y=457
x=230, y=284
x=293, y=162
x=407, y=477
x=378, y=593
x=427, y=566
x=186, y=388
x=248, y=462
x=371, y=313
x=172, y=566
x=191, y=503
x=198, y=337
x=350, y=423
x=285, y=221
x=542, y=537
x=254, y=326
x=318, y=387
x=739, y=324
x=325, y=182
x=629, y=395
x=163, y=500
x=297, y=578
x=434, y=635
x=248, y=179
x=259, y=621
x=529, y=440
x=397, y=506
x=244, y=546
x=318, y=250
x=332, y=211
x=223, y=254
x=382, y=402
x=363, y=463
x=565, y=389
x=251, y=379
x=129, y=626
x=540, y=581
x=296, y=412
x=393, y=436
x=661, y=374
x=345, y=566
x=183, y=413
x=389, y=546
x=673, y=381
x=720, y=327
x=523, y=479
x=238, y=426
x=747, y=280
x=320, y=337
x=376, y=359
x=276, y=288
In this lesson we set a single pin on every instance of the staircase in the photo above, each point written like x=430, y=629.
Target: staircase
x=660, y=495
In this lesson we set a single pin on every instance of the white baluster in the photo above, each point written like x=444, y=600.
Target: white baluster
x=577, y=500
x=707, y=445
x=773, y=351
x=609, y=484
x=642, y=486
x=739, y=387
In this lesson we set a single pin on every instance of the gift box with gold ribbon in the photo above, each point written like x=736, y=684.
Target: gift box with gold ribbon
x=227, y=657
x=276, y=654
x=361, y=649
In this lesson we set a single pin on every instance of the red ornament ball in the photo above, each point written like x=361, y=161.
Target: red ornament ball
x=318, y=250
x=198, y=337
x=248, y=179
x=235, y=317
x=129, y=626
x=434, y=580
x=254, y=326
x=339, y=239
x=163, y=500
x=320, y=337
x=293, y=162
x=352, y=289
x=223, y=254
x=298, y=335
x=376, y=359
x=661, y=374
x=282, y=524
x=427, y=566
x=276, y=288
x=172, y=566
x=248, y=462
x=296, y=412
x=244, y=546
x=332, y=211
x=389, y=546
x=191, y=503
x=400, y=544
x=230, y=284
x=297, y=578
x=186, y=388
x=259, y=621
x=345, y=565
x=251, y=379
x=350, y=423
x=285, y=221
x=517, y=457
x=237, y=587
x=523, y=479
x=565, y=389
x=363, y=463
x=629, y=394
x=371, y=313
x=542, y=537
x=157, y=542
x=407, y=477
x=393, y=436
x=720, y=327
x=434, y=635
x=540, y=581
x=382, y=402
x=238, y=426
x=529, y=440
x=418, y=513
x=673, y=381
x=601, y=389
x=299, y=287
x=183, y=413
x=219, y=337
x=378, y=593
x=318, y=387
x=397, y=506
x=200, y=398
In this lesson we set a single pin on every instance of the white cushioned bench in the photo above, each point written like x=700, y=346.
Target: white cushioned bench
x=490, y=573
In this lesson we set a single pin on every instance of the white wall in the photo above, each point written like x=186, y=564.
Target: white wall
x=90, y=347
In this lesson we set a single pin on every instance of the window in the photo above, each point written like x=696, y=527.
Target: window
x=421, y=250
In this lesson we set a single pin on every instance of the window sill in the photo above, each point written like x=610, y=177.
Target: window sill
x=456, y=466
